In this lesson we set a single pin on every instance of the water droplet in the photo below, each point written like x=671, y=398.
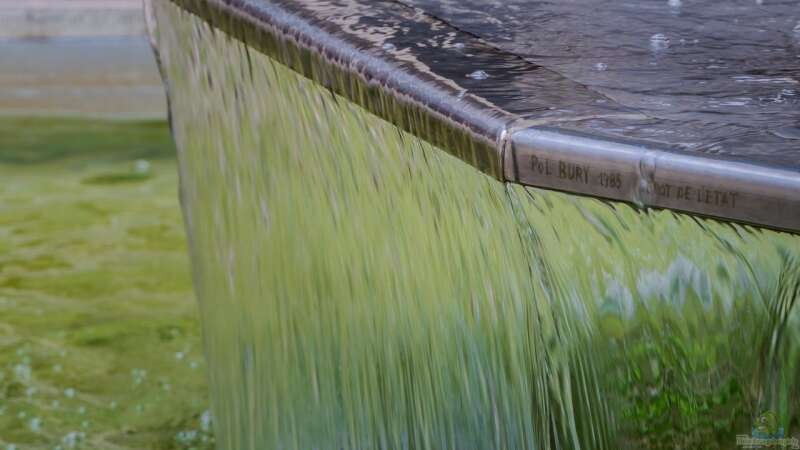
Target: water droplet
x=478, y=75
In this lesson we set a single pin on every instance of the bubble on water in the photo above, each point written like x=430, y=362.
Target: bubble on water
x=55, y=404
x=389, y=47
x=139, y=376
x=11, y=447
x=601, y=67
x=180, y=355
x=23, y=373
x=659, y=42
x=459, y=45
x=206, y=420
x=186, y=437
x=193, y=365
x=35, y=425
x=72, y=439
x=69, y=393
x=141, y=166
x=478, y=75
x=82, y=410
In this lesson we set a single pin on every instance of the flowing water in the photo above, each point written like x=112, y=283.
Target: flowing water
x=361, y=289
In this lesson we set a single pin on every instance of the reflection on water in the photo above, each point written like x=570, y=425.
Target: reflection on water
x=718, y=76
x=362, y=289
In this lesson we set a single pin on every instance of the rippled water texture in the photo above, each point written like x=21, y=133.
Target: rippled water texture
x=716, y=76
x=360, y=289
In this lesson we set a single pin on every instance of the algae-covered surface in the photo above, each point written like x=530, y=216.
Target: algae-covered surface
x=99, y=338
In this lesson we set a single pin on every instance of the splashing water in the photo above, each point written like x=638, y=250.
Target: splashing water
x=360, y=289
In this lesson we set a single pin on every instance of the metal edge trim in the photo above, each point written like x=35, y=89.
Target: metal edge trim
x=649, y=177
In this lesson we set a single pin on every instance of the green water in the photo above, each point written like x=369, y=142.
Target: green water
x=360, y=289
x=99, y=337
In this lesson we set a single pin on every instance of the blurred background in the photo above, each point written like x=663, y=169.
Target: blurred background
x=77, y=57
x=99, y=339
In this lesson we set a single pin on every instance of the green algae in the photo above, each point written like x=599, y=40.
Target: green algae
x=99, y=339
